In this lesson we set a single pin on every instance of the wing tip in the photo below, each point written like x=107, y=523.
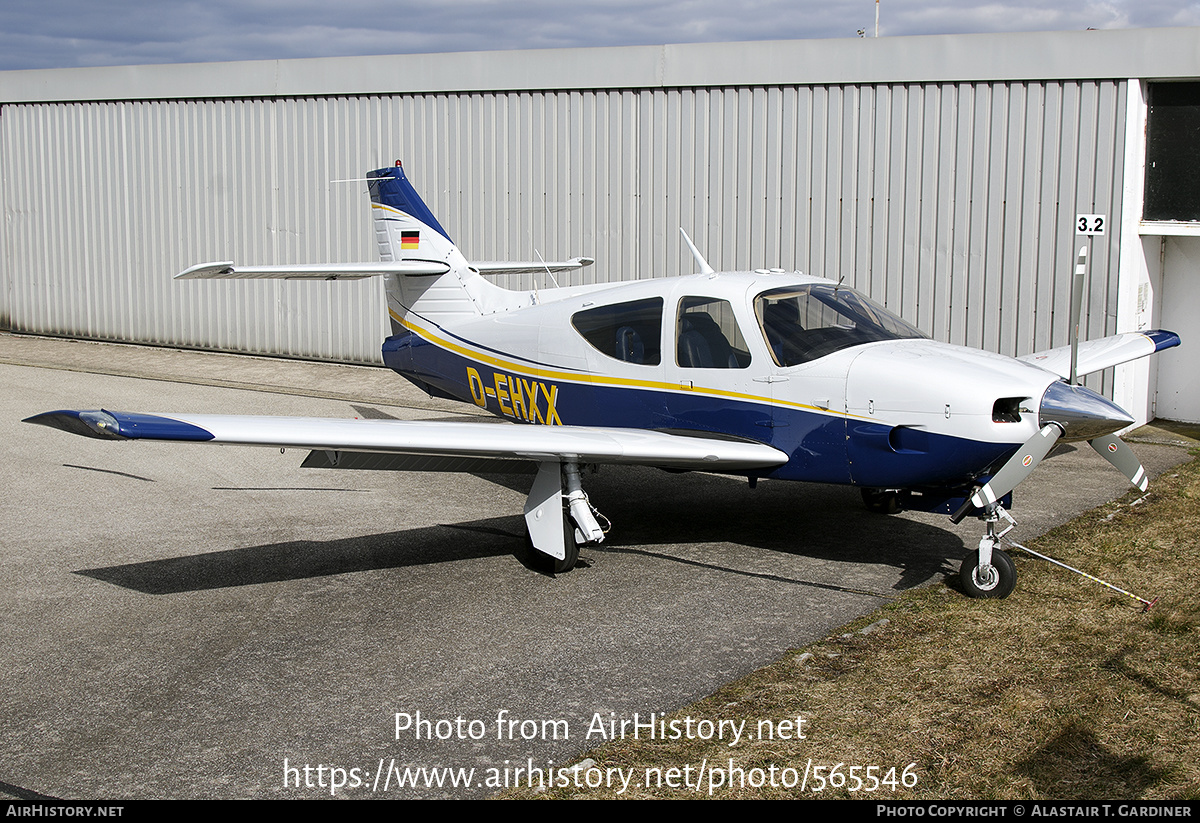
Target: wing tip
x=107, y=425
x=204, y=271
x=1163, y=339
x=98, y=424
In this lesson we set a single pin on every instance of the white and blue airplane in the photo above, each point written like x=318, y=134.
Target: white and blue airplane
x=764, y=374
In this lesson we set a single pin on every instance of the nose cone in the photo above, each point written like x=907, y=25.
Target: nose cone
x=1081, y=412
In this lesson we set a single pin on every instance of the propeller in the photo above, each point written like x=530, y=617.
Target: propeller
x=1067, y=410
x=1032, y=451
x=1018, y=467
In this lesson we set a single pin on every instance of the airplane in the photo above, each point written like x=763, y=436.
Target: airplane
x=761, y=374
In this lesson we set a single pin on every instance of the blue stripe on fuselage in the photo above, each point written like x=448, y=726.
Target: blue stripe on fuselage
x=822, y=447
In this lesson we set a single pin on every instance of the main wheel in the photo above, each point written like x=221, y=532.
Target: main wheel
x=572, y=554
x=881, y=502
x=546, y=562
x=993, y=582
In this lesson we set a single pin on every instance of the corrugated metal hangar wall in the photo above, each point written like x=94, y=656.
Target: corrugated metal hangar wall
x=949, y=198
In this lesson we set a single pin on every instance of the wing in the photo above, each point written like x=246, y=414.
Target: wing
x=1095, y=355
x=495, y=441
x=359, y=271
x=416, y=445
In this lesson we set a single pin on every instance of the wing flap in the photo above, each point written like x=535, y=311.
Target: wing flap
x=385, y=461
x=466, y=439
x=1095, y=355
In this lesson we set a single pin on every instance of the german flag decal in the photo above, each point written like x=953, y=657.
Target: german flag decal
x=410, y=239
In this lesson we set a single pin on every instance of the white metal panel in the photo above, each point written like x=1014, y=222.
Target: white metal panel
x=952, y=203
x=997, y=57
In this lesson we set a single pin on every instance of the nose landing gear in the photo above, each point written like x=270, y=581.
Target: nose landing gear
x=988, y=572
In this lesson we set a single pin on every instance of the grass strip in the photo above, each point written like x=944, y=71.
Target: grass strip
x=1065, y=690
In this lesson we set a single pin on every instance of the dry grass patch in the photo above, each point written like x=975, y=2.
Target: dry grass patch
x=1063, y=691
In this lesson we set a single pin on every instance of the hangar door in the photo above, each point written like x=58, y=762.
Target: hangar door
x=1173, y=195
x=1178, y=396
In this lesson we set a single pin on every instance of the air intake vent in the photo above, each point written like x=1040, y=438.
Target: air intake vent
x=1007, y=410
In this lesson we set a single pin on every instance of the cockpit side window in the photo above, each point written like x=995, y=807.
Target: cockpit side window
x=803, y=323
x=630, y=332
x=708, y=336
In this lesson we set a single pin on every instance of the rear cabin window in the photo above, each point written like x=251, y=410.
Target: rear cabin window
x=630, y=332
x=708, y=336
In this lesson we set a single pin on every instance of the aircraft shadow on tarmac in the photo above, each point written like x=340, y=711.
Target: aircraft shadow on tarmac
x=655, y=514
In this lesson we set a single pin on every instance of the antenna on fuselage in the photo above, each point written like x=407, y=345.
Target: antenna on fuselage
x=700, y=261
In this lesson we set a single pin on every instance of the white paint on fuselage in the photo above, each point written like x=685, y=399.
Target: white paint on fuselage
x=937, y=387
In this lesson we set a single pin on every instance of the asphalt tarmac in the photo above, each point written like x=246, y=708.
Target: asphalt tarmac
x=190, y=621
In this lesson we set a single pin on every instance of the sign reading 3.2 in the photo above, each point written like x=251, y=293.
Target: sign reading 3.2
x=1090, y=223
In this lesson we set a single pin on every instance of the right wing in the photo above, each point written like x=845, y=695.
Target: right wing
x=460, y=445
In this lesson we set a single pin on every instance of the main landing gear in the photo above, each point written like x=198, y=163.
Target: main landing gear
x=883, y=501
x=557, y=523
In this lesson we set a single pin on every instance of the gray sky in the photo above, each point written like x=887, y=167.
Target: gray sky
x=67, y=33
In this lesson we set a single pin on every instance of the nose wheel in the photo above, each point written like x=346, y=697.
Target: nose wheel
x=992, y=580
x=988, y=572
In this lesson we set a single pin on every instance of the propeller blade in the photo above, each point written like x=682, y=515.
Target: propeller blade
x=1077, y=310
x=1018, y=466
x=1116, y=451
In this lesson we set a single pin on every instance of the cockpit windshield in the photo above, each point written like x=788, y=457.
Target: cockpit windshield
x=803, y=323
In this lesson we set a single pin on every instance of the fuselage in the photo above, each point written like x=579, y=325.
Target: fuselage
x=850, y=392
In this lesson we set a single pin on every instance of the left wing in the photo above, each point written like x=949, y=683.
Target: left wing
x=1095, y=355
x=480, y=440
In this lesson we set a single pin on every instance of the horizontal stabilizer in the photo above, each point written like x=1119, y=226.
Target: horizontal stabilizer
x=491, y=267
x=339, y=271
x=467, y=439
x=1095, y=355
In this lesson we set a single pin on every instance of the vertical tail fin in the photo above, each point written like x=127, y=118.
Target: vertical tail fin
x=406, y=229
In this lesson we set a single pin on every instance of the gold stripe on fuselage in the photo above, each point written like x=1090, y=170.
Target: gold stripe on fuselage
x=601, y=380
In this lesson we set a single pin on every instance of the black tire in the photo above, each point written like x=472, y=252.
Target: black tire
x=881, y=502
x=1002, y=582
x=547, y=563
x=568, y=562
